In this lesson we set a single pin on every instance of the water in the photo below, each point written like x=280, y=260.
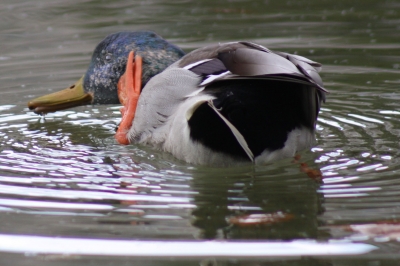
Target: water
x=69, y=195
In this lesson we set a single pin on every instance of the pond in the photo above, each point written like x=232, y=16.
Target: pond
x=70, y=195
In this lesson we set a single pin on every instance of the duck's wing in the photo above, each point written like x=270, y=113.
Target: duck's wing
x=246, y=59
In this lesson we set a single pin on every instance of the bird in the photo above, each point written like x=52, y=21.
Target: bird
x=99, y=84
x=224, y=104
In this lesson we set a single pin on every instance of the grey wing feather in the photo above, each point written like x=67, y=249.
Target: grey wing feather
x=256, y=46
x=257, y=62
x=293, y=58
x=209, y=52
x=246, y=59
x=250, y=62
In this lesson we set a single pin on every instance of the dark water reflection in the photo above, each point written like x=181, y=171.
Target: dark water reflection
x=64, y=175
x=219, y=205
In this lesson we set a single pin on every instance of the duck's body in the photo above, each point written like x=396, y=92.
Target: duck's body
x=231, y=103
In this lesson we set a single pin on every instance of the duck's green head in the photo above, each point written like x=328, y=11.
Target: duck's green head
x=99, y=84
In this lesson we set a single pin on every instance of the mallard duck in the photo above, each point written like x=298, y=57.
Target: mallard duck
x=224, y=104
x=99, y=84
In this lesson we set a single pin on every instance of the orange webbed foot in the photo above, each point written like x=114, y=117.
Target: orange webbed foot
x=129, y=86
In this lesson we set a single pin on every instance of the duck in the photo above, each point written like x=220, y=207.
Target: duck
x=224, y=104
x=99, y=84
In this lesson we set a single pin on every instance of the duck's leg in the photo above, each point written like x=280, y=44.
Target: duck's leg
x=129, y=86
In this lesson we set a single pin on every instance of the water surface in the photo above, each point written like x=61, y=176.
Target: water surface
x=65, y=183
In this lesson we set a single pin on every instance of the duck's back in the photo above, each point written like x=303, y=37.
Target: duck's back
x=230, y=103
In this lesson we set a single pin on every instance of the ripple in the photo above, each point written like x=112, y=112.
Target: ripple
x=88, y=195
x=53, y=205
x=330, y=192
x=80, y=246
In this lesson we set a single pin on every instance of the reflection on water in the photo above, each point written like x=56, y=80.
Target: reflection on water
x=63, y=175
x=52, y=245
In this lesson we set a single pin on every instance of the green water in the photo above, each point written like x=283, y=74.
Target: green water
x=64, y=175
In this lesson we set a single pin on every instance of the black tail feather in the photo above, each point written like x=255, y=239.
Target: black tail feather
x=264, y=112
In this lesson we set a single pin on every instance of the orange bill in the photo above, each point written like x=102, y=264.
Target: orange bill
x=129, y=86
